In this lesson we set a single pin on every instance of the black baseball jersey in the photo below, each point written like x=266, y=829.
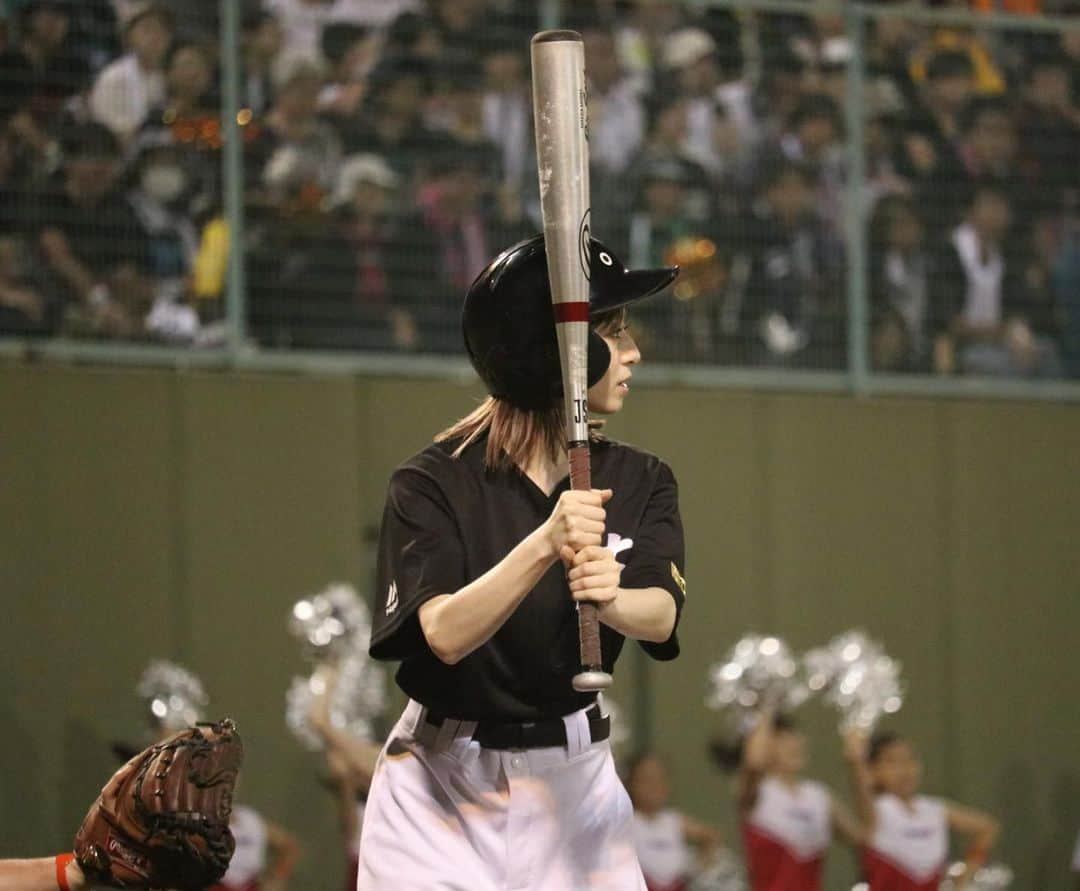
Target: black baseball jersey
x=448, y=520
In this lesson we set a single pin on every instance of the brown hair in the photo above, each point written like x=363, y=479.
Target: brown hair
x=517, y=435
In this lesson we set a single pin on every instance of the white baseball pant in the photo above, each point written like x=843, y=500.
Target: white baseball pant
x=444, y=814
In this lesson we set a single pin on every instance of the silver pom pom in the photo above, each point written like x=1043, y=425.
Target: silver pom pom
x=335, y=627
x=758, y=671
x=328, y=621
x=857, y=677
x=173, y=696
x=991, y=877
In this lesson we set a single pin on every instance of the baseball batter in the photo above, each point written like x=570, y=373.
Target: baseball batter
x=499, y=775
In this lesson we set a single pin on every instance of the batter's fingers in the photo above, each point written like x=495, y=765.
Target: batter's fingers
x=566, y=554
x=593, y=554
x=579, y=539
x=595, y=567
x=591, y=582
x=594, y=497
x=579, y=524
x=587, y=512
x=599, y=595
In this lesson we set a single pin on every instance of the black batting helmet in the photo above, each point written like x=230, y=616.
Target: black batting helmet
x=509, y=325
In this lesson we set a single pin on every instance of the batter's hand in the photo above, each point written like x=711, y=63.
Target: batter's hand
x=577, y=521
x=593, y=574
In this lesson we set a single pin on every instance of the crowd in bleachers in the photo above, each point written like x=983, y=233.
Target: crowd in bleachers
x=388, y=154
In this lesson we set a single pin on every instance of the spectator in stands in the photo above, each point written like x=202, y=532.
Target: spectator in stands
x=127, y=89
x=790, y=296
x=91, y=241
x=990, y=151
x=189, y=92
x=456, y=106
x=813, y=138
x=824, y=47
x=303, y=20
x=23, y=307
x=416, y=35
x=641, y=34
x=989, y=146
x=1049, y=118
x=507, y=105
x=37, y=74
x=1067, y=284
x=661, y=216
x=460, y=24
x=297, y=152
x=616, y=112
x=390, y=123
x=715, y=95
x=909, y=319
x=996, y=333
x=326, y=281
x=987, y=78
x=160, y=197
x=454, y=202
x=351, y=51
x=263, y=39
x=929, y=146
x=890, y=42
x=665, y=231
x=373, y=251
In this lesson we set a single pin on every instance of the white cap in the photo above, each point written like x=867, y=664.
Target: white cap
x=687, y=46
x=293, y=65
x=358, y=169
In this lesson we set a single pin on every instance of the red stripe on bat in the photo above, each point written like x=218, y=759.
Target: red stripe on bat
x=578, y=311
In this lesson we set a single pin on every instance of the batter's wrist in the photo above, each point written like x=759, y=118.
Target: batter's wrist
x=542, y=546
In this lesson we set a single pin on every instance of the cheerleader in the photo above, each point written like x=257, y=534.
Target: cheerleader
x=787, y=821
x=265, y=854
x=664, y=838
x=907, y=833
x=350, y=762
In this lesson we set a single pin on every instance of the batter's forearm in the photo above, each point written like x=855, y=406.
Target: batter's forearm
x=456, y=624
x=641, y=613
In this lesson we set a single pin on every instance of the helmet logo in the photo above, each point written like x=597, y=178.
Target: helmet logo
x=585, y=243
x=605, y=258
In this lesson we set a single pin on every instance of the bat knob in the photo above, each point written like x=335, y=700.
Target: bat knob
x=591, y=679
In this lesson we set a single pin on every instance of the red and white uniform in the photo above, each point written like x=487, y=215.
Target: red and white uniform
x=665, y=857
x=249, y=860
x=786, y=836
x=910, y=844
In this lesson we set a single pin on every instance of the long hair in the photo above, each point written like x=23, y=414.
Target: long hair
x=515, y=435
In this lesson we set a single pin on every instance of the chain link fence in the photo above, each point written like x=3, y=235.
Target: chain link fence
x=867, y=189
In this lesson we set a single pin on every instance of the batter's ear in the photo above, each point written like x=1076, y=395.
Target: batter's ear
x=599, y=358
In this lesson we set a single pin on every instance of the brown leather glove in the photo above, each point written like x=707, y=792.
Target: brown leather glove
x=162, y=821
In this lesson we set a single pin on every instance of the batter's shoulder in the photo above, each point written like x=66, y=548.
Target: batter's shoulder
x=440, y=462
x=627, y=458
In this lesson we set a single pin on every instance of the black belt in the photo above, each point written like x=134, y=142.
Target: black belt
x=532, y=734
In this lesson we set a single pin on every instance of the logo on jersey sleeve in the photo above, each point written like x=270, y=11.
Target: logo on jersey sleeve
x=617, y=544
x=391, y=598
x=679, y=580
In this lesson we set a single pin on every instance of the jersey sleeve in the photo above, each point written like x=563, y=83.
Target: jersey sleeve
x=420, y=557
x=658, y=558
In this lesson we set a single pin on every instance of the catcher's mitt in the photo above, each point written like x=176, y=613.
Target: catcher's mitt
x=162, y=821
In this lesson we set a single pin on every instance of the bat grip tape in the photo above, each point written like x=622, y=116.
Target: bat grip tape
x=588, y=616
